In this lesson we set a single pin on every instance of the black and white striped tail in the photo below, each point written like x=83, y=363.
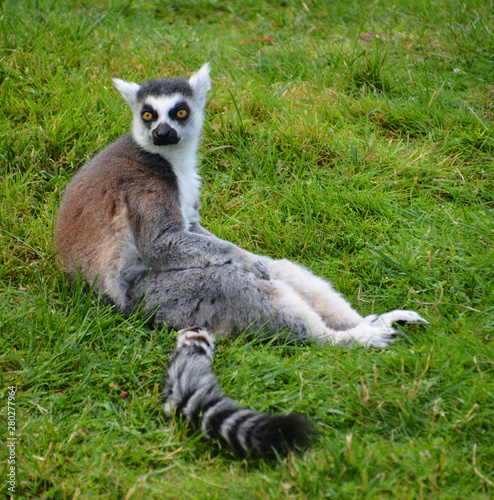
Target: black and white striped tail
x=192, y=389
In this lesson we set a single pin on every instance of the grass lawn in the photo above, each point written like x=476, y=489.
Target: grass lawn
x=355, y=138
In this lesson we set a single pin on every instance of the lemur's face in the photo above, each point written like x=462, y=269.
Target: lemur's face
x=165, y=119
x=167, y=112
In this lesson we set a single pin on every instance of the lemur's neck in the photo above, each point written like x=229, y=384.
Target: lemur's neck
x=182, y=158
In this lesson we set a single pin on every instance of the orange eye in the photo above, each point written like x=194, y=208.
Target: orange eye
x=182, y=113
x=147, y=116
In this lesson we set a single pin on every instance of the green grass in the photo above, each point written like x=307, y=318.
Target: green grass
x=360, y=144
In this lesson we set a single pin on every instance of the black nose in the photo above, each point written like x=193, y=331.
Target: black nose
x=163, y=135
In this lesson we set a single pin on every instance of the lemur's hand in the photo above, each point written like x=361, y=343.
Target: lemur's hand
x=255, y=265
x=260, y=270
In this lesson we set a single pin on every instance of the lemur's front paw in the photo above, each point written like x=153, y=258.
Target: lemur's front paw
x=260, y=270
x=256, y=266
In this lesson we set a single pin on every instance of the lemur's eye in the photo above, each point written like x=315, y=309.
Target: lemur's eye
x=147, y=116
x=182, y=113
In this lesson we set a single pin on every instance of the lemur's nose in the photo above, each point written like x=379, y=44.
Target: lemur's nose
x=163, y=135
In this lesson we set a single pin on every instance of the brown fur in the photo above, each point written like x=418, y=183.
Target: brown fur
x=94, y=233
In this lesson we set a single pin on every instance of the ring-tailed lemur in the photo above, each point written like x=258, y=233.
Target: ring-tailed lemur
x=129, y=222
x=191, y=388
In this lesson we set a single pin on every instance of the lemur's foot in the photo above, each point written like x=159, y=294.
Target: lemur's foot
x=376, y=331
x=369, y=335
x=399, y=316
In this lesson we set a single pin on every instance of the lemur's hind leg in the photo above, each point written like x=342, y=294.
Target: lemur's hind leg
x=335, y=311
x=227, y=299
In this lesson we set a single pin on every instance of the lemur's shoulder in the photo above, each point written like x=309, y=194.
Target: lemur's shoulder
x=123, y=166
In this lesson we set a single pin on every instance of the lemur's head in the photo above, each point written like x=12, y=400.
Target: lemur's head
x=168, y=111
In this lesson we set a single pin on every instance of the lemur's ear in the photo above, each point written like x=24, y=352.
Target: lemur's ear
x=127, y=89
x=201, y=83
